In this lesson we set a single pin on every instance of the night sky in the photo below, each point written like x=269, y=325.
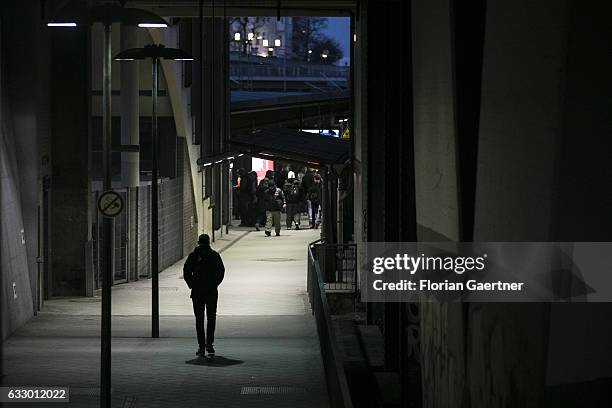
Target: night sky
x=339, y=29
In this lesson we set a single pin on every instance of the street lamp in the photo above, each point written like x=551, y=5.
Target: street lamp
x=106, y=14
x=156, y=53
x=236, y=36
x=325, y=54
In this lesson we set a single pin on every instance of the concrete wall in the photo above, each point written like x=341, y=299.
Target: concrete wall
x=17, y=306
x=543, y=157
x=581, y=335
x=441, y=330
x=541, y=146
x=434, y=121
x=523, y=62
x=190, y=226
x=21, y=92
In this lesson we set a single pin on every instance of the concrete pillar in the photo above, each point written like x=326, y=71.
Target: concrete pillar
x=212, y=119
x=70, y=147
x=130, y=161
x=384, y=151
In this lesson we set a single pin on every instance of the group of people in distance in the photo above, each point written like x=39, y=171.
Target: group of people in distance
x=282, y=191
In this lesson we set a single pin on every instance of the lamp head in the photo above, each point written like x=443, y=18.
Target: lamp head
x=155, y=51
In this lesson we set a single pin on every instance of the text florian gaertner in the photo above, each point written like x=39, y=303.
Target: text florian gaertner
x=436, y=264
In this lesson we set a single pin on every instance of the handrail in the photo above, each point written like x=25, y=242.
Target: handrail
x=337, y=384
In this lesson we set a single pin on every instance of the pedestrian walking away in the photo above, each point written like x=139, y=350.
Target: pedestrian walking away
x=204, y=271
x=315, y=195
x=275, y=202
x=295, y=201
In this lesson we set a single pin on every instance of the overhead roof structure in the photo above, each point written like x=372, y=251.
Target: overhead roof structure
x=287, y=144
x=295, y=145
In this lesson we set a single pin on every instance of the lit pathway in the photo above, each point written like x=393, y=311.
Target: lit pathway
x=266, y=337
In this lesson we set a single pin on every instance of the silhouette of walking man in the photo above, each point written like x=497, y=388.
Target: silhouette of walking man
x=204, y=271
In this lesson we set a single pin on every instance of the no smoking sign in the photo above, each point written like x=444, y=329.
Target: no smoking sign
x=110, y=203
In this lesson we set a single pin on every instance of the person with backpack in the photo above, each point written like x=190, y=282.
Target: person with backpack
x=203, y=272
x=294, y=197
x=275, y=201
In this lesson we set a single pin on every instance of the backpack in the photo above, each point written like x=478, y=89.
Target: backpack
x=314, y=195
x=295, y=191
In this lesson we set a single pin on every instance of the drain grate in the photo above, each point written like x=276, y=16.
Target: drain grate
x=275, y=260
x=271, y=390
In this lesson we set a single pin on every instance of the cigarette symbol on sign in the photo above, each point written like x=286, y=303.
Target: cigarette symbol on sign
x=110, y=203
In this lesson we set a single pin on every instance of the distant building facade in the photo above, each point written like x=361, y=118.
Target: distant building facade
x=262, y=36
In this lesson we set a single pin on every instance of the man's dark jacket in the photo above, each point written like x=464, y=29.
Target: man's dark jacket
x=203, y=271
x=307, y=181
x=273, y=201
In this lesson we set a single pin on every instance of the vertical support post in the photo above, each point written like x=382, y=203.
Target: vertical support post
x=130, y=161
x=340, y=209
x=230, y=201
x=130, y=129
x=154, y=210
x=105, y=363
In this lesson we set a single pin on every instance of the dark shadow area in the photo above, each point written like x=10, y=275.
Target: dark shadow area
x=582, y=394
x=217, y=361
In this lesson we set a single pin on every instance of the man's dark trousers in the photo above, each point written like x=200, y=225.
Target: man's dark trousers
x=205, y=303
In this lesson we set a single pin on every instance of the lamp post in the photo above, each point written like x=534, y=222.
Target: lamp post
x=156, y=53
x=106, y=14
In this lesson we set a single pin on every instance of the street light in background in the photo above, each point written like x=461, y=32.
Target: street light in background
x=156, y=53
x=106, y=14
x=236, y=36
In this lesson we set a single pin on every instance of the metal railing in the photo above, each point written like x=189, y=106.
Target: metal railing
x=339, y=265
x=274, y=71
x=337, y=385
x=245, y=70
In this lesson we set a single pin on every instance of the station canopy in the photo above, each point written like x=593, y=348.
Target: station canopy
x=289, y=145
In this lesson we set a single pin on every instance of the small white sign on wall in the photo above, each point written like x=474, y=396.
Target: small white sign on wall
x=22, y=237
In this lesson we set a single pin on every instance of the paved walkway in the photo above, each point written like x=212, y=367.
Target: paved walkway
x=266, y=337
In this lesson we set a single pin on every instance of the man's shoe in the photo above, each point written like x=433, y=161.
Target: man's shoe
x=210, y=350
x=278, y=234
x=268, y=233
x=200, y=352
x=297, y=227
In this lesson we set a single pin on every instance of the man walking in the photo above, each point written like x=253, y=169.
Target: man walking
x=314, y=195
x=275, y=202
x=204, y=271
